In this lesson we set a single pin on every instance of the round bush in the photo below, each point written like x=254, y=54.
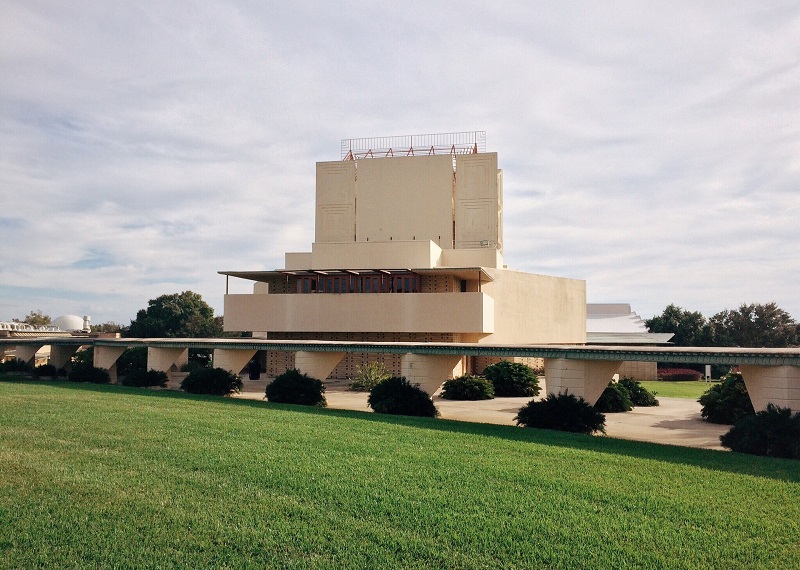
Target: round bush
x=214, y=381
x=640, y=396
x=141, y=378
x=727, y=402
x=774, y=432
x=615, y=398
x=294, y=387
x=396, y=395
x=562, y=412
x=468, y=388
x=45, y=370
x=512, y=379
x=368, y=376
x=82, y=372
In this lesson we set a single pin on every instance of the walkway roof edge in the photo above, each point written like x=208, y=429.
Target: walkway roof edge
x=696, y=355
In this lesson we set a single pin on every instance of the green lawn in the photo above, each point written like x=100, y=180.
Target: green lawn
x=690, y=389
x=106, y=476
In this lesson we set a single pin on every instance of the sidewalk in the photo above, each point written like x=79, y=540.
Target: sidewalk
x=676, y=421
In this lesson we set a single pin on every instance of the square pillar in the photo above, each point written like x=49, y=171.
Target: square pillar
x=584, y=378
x=106, y=357
x=231, y=359
x=430, y=370
x=318, y=365
x=779, y=385
x=164, y=359
x=60, y=356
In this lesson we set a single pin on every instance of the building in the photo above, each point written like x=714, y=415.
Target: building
x=408, y=248
x=616, y=324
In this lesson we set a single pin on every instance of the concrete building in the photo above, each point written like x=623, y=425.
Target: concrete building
x=408, y=248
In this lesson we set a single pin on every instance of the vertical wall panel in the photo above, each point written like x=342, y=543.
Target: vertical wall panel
x=478, y=201
x=336, y=202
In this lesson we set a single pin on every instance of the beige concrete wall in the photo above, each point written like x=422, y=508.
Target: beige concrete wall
x=395, y=254
x=407, y=198
x=375, y=255
x=361, y=312
x=478, y=201
x=484, y=257
x=297, y=260
x=639, y=370
x=336, y=201
x=532, y=308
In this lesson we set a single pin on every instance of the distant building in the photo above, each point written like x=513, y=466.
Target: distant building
x=616, y=324
x=408, y=248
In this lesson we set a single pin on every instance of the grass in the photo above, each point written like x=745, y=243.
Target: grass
x=107, y=476
x=690, y=389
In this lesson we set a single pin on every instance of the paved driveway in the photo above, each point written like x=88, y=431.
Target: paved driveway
x=676, y=421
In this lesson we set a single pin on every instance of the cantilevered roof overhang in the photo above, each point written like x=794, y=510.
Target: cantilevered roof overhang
x=467, y=273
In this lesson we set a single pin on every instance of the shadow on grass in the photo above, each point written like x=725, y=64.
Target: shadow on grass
x=778, y=469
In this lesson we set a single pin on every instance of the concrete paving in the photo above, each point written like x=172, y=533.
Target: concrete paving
x=676, y=421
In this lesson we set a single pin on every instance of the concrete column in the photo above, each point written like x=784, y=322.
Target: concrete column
x=106, y=357
x=26, y=352
x=430, y=370
x=318, y=365
x=584, y=378
x=163, y=359
x=232, y=360
x=779, y=385
x=61, y=355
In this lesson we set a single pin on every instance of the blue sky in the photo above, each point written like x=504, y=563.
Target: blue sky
x=652, y=149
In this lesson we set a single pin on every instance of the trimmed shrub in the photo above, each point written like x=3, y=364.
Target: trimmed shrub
x=678, y=374
x=141, y=378
x=562, y=412
x=615, y=398
x=82, y=372
x=468, y=388
x=294, y=387
x=727, y=402
x=640, y=396
x=511, y=379
x=774, y=432
x=396, y=395
x=45, y=370
x=15, y=365
x=368, y=376
x=214, y=381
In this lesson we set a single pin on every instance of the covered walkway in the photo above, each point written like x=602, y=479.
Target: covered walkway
x=771, y=374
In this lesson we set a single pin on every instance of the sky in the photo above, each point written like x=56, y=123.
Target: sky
x=651, y=149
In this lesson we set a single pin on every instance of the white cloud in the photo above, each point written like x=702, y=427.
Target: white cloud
x=650, y=149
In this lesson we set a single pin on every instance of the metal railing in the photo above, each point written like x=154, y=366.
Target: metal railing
x=467, y=142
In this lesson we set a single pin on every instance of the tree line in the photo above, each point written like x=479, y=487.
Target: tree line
x=749, y=326
x=178, y=315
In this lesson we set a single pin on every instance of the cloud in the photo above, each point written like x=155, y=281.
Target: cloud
x=650, y=149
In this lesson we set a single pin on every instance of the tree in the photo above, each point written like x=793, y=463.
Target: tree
x=689, y=328
x=109, y=327
x=180, y=315
x=755, y=326
x=36, y=318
